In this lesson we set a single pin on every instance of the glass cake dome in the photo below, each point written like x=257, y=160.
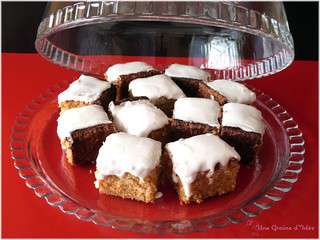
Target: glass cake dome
x=231, y=40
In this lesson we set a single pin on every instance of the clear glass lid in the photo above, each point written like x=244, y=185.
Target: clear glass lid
x=232, y=40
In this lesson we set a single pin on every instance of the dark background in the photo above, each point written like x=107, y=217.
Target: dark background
x=20, y=21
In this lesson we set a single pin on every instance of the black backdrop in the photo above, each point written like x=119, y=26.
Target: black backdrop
x=20, y=22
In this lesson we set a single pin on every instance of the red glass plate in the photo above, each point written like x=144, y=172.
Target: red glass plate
x=37, y=155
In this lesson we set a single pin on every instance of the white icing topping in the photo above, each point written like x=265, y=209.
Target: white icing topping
x=233, y=91
x=198, y=110
x=246, y=117
x=80, y=118
x=85, y=89
x=124, y=153
x=186, y=71
x=115, y=71
x=155, y=87
x=198, y=154
x=137, y=117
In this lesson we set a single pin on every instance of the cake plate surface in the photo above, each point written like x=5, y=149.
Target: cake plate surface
x=37, y=156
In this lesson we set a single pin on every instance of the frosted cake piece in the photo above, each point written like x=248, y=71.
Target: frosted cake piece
x=194, y=116
x=201, y=166
x=188, y=78
x=128, y=166
x=140, y=118
x=186, y=71
x=123, y=73
x=233, y=91
x=86, y=90
x=81, y=131
x=160, y=89
x=243, y=127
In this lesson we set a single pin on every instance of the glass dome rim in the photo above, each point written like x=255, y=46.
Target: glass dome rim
x=56, y=22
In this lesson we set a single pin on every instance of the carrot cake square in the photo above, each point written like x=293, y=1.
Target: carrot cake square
x=140, y=118
x=160, y=89
x=188, y=78
x=85, y=91
x=192, y=81
x=243, y=128
x=81, y=131
x=201, y=166
x=123, y=73
x=194, y=116
x=232, y=91
x=205, y=91
x=128, y=166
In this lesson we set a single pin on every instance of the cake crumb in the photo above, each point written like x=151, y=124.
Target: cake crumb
x=159, y=195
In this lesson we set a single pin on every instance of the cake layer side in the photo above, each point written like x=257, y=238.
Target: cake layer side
x=85, y=143
x=182, y=129
x=131, y=187
x=196, y=88
x=206, y=92
x=247, y=144
x=189, y=86
x=222, y=181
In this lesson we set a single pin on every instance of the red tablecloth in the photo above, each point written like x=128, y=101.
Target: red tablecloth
x=25, y=215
